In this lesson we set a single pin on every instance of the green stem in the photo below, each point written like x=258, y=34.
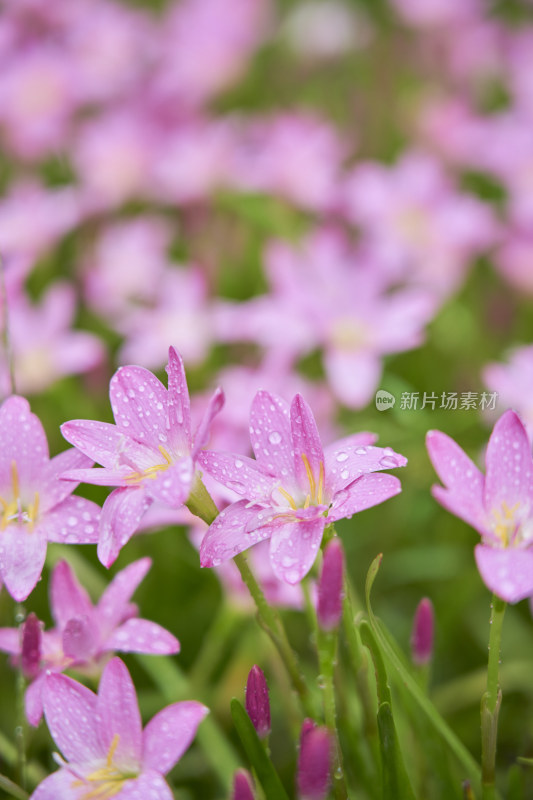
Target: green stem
x=270, y=621
x=327, y=651
x=12, y=789
x=491, y=701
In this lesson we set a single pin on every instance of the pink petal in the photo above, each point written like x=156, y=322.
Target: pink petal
x=139, y=403
x=149, y=784
x=509, y=463
x=33, y=700
x=306, y=442
x=353, y=440
x=463, y=495
x=171, y=486
x=68, y=598
x=294, y=547
x=239, y=473
x=508, y=573
x=10, y=640
x=346, y=463
x=74, y=521
x=121, y=515
x=53, y=490
x=365, y=492
x=142, y=636
x=169, y=734
x=270, y=434
x=100, y=441
x=118, y=713
x=353, y=376
x=113, y=604
x=58, y=786
x=70, y=711
x=80, y=639
x=23, y=441
x=178, y=404
x=237, y=527
x=22, y=554
x=201, y=436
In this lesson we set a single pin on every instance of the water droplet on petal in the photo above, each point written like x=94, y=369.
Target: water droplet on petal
x=388, y=462
x=274, y=437
x=342, y=456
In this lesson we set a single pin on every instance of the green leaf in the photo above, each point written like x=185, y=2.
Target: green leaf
x=264, y=769
x=406, y=681
x=396, y=784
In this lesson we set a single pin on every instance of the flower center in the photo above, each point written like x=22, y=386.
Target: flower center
x=106, y=781
x=13, y=509
x=506, y=526
x=151, y=472
x=316, y=489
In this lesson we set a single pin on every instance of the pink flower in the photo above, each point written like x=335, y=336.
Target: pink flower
x=107, y=753
x=513, y=382
x=85, y=634
x=314, y=761
x=149, y=454
x=35, y=504
x=498, y=505
x=294, y=488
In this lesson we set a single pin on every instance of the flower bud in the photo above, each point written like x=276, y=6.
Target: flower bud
x=30, y=658
x=257, y=701
x=422, y=635
x=242, y=786
x=314, y=762
x=330, y=587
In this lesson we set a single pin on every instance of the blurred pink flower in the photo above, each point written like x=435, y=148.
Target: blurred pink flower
x=292, y=489
x=497, y=504
x=149, y=453
x=415, y=223
x=513, y=381
x=125, y=265
x=325, y=296
x=180, y=314
x=85, y=634
x=101, y=737
x=44, y=347
x=36, y=505
x=295, y=155
x=436, y=13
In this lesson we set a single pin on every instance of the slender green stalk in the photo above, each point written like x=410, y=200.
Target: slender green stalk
x=201, y=504
x=270, y=621
x=21, y=715
x=491, y=701
x=327, y=651
x=12, y=789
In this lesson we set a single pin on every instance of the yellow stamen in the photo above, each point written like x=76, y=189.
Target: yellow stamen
x=151, y=472
x=113, y=746
x=109, y=779
x=310, y=476
x=320, y=483
x=307, y=501
x=287, y=497
x=15, y=479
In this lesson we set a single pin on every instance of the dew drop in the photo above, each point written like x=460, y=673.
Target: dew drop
x=342, y=456
x=274, y=437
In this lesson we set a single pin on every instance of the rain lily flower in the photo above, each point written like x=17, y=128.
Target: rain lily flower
x=84, y=634
x=294, y=488
x=242, y=786
x=331, y=586
x=498, y=504
x=258, y=701
x=314, y=761
x=513, y=381
x=35, y=504
x=149, y=454
x=423, y=633
x=107, y=753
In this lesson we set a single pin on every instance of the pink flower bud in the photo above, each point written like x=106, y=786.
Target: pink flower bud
x=422, y=635
x=31, y=647
x=314, y=762
x=257, y=702
x=330, y=587
x=242, y=786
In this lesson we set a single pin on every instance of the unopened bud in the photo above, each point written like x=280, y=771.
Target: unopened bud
x=30, y=658
x=242, y=786
x=257, y=701
x=422, y=635
x=314, y=762
x=330, y=587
